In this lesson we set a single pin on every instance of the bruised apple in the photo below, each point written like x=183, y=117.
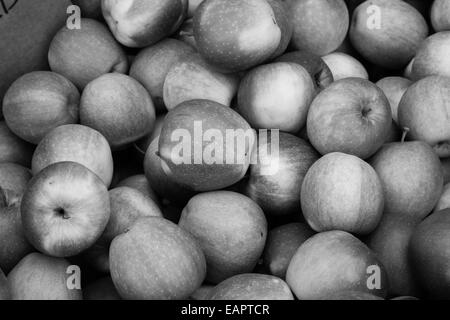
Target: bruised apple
x=231, y=230
x=156, y=259
x=205, y=145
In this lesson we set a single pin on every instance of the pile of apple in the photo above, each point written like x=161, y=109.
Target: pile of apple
x=357, y=208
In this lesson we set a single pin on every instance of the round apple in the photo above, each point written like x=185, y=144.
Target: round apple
x=424, y=111
x=231, y=230
x=119, y=107
x=335, y=261
x=351, y=116
x=82, y=55
x=394, y=88
x=342, y=192
x=440, y=15
x=140, y=23
x=205, y=145
x=320, y=26
x=65, y=209
x=343, y=66
x=432, y=57
x=156, y=260
x=389, y=35
x=276, y=179
x=276, y=96
x=75, y=143
x=39, y=277
x=38, y=102
x=251, y=286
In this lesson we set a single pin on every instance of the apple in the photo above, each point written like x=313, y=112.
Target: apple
x=342, y=192
x=343, y=66
x=424, y=110
x=12, y=148
x=411, y=175
x=394, y=88
x=282, y=243
x=256, y=36
x=204, y=165
x=444, y=201
x=335, y=261
x=446, y=168
x=90, y=8
x=39, y=277
x=119, y=107
x=276, y=96
x=440, y=15
x=14, y=177
x=38, y=102
x=430, y=255
x=251, y=286
x=350, y=116
x=317, y=68
x=65, y=209
x=351, y=295
x=231, y=230
x=140, y=23
x=101, y=289
x=27, y=30
x=283, y=19
x=275, y=181
x=156, y=260
x=202, y=293
x=140, y=183
x=4, y=290
x=151, y=65
x=14, y=244
x=82, y=55
x=432, y=57
x=390, y=36
x=76, y=143
x=192, y=78
x=320, y=26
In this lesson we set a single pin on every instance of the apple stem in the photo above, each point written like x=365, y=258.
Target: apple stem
x=405, y=133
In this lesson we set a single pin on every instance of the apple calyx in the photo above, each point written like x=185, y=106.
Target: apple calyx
x=404, y=134
x=61, y=212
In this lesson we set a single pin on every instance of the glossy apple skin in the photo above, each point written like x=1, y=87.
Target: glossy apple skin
x=351, y=116
x=231, y=230
x=276, y=96
x=251, y=286
x=38, y=102
x=151, y=65
x=192, y=78
x=281, y=245
x=204, y=176
x=430, y=254
x=14, y=243
x=14, y=177
x=424, y=110
x=333, y=261
x=394, y=88
x=85, y=54
x=90, y=8
x=432, y=57
x=256, y=37
x=140, y=23
x=394, y=44
x=163, y=184
x=102, y=289
x=156, y=260
x=65, y=209
x=317, y=68
x=140, y=183
x=320, y=26
x=118, y=107
x=4, y=290
x=13, y=149
x=40, y=277
x=278, y=193
x=440, y=15
x=343, y=66
x=75, y=143
x=342, y=192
